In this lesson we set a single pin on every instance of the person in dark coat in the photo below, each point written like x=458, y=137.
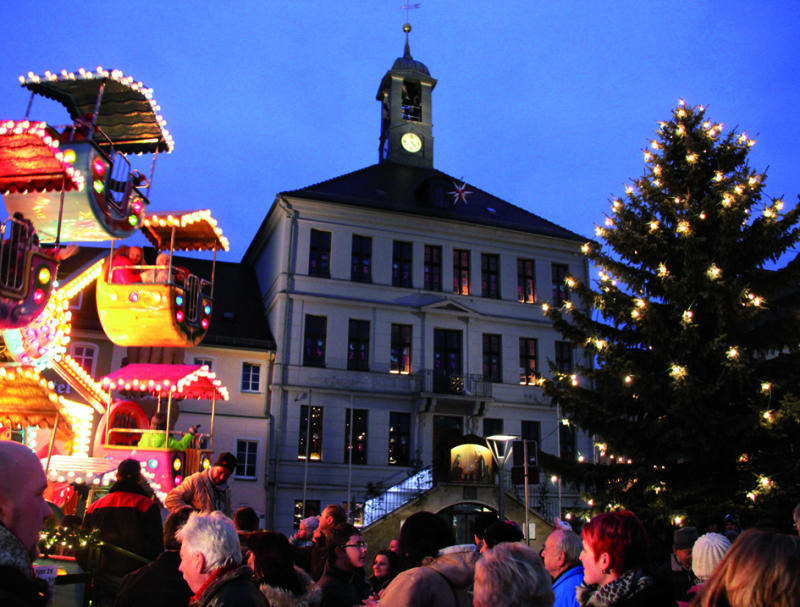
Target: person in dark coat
x=677, y=571
x=22, y=514
x=317, y=554
x=211, y=563
x=343, y=583
x=160, y=583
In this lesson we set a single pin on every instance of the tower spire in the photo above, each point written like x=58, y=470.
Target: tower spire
x=407, y=52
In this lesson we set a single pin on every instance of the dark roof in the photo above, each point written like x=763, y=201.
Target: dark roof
x=237, y=320
x=388, y=186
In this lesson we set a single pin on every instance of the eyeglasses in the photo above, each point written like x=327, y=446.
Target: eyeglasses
x=359, y=545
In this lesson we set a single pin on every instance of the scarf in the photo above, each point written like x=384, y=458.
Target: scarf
x=625, y=586
x=214, y=577
x=13, y=554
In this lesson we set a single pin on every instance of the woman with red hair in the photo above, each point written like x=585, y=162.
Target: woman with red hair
x=615, y=561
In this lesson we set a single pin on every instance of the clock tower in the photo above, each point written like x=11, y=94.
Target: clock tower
x=406, y=121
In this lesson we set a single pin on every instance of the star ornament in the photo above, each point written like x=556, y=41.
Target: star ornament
x=459, y=193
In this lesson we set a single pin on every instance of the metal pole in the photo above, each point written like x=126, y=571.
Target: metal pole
x=169, y=414
x=213, y=409
x=558, y=450
x=350, y=460
x=52, y=442
x=527, y=509
x=308, y=445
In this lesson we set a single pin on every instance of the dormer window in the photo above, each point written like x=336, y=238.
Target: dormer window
x=411, y=101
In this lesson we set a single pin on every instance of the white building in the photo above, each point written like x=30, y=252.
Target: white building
x=410, y=303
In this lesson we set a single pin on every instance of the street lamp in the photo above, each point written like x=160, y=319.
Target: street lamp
x=502, y=446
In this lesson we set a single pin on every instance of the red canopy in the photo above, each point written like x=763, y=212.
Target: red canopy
x=184, y=381
x=30, y=160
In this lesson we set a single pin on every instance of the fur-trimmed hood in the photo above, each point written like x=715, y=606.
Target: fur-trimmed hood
x=280, y=597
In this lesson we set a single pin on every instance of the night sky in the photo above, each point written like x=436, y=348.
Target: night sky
x=547, y=105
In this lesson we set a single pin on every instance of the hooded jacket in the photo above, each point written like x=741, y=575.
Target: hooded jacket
x=197, y=492
x=445, y=581
x=280, y=597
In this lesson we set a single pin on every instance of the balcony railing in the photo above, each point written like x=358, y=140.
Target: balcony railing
x=469, y=384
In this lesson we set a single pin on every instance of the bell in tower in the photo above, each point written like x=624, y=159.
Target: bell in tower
x=406, y=121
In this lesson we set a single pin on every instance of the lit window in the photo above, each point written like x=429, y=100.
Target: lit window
x=526, y=281
x=399, y=438
x=527, y=361
x=401, y=349
x=310, y=426
x=358, y=432
x=461, y=271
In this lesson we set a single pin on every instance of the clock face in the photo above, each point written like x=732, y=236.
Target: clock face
x=411, y=142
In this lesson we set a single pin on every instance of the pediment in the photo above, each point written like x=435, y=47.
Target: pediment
x=448, y=305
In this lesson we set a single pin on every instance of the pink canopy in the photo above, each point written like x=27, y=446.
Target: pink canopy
x=183, y=381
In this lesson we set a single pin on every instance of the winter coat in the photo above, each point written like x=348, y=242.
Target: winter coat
x=441, y=582
x=154, y=439
x=632, y=589
x=280, y=597
x=564, y=587
x=197, y=492
x=680, y=578
x=18, y=586
x=235, y=588
x=342, y=588
x=157, y=584
x=127, y=519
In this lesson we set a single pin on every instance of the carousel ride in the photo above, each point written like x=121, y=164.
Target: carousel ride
x=77, y=184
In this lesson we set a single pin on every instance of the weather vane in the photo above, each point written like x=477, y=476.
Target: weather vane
x=408, y=7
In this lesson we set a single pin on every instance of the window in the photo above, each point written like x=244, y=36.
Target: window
x=204, y=361
x=566, y=437
x=411, y=101
x=564, y=356
x=251, y=377
x=361, y=259
x=319, y=254
x=529, y=431
x=433, y=268
x=399, y=438
x=314, y=342
x=401, y=349
x=461, y=271
x=358, y=432
x=311, y=509
x=246, y=452
x=527, y=361
x=490, y=275
x=492, y=426
x=312, y=426
x=492, y=358
x=560, y=290
x=358, y=345
x=85, y=355
x=526, y=281
x=401, y=264
x=447, y=376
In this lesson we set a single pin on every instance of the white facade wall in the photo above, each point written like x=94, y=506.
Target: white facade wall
x=290, y=294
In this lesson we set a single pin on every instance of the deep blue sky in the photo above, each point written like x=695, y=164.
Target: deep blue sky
x=544, y=104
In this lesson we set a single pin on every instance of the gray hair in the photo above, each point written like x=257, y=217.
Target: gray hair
x=512, y=574
x=570, y=544
x=214, y=536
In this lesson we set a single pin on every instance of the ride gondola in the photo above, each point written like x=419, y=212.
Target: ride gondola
x=166, y=306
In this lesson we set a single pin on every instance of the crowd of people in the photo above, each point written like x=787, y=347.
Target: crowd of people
x=206, y=556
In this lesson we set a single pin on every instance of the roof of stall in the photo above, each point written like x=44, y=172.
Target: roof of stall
x=27, y=400
x=194, y=231
x=183, y=381
x=30, y=159
x=128, y=114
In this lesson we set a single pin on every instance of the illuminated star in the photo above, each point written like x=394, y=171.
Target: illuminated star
x=460, y=193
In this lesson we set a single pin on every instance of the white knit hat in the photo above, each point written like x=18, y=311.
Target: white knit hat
x=707, y=552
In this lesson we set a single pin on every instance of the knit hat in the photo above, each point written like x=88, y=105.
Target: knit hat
x=311, y=523
x=707, y=553
x=684, y=538
x=226, y=460
x=129, y=468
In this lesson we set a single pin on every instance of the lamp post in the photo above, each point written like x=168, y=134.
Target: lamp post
x=501, y=446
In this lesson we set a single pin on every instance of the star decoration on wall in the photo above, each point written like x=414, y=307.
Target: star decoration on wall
x=460, y=193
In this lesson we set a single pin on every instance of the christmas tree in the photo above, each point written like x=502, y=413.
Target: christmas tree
x=692, y=337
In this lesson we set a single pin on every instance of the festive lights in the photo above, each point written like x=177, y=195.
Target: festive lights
x=115, y=75
x=678, y=372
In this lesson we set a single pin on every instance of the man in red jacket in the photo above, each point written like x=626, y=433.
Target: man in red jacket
x=128, y=519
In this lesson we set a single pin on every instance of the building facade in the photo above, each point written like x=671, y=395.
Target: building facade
x=406, y=308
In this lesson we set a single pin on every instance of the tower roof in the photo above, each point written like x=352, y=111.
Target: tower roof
x=407, y=62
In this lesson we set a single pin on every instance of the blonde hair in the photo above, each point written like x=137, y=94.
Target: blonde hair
x=761, y=569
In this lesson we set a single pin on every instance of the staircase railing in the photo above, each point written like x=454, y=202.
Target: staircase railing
x=398, y=495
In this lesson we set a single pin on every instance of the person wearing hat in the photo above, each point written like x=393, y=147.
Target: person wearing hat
x=707, y=552
x=126, y=518
x=678, y=570
x=205, y=491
